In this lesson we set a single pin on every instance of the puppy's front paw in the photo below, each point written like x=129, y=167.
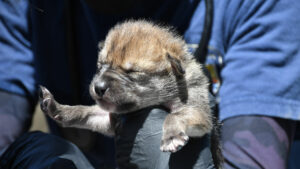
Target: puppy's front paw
x=173, y=141
x=48, y=104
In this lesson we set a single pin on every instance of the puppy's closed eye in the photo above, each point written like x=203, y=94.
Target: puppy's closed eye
x=132, y=71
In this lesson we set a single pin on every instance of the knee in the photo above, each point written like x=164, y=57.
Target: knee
x=40, y=149
x=44, y=142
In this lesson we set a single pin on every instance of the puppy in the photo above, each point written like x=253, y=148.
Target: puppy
x=141, y=65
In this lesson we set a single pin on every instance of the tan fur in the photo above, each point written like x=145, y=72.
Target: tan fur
x=142, y=45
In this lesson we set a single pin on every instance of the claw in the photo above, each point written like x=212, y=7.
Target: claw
x=174, y=143
x=43, y=91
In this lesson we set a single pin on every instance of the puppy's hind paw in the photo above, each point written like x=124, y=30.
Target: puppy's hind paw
x=174, y=143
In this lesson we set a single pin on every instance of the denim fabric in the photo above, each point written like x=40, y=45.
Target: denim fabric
x=259, y=43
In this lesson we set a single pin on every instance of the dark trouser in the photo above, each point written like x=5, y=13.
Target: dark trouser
x=137, y=145
x=252, y=142
x=37, y=150
x=15, y=117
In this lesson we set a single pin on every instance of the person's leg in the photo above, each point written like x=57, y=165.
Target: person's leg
x=15, y=117
x=138, y=145
x=39, y=150
x=294, y=162
x=252, y=142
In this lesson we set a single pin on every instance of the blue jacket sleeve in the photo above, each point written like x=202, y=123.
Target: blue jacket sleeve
x=16, y=57
x=261, y=75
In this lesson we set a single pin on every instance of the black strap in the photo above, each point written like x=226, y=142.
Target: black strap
x=201, y=52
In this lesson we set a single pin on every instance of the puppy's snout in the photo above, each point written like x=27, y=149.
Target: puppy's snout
x=100, y=88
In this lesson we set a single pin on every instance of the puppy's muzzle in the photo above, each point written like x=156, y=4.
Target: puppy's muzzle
x=100, y=88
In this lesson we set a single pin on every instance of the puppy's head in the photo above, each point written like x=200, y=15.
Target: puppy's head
x=138, y=66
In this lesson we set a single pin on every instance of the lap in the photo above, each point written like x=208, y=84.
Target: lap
x=39, y=150
x=138, y=145
x=256, y=142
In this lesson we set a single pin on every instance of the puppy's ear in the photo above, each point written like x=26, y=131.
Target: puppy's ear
x=176, y=65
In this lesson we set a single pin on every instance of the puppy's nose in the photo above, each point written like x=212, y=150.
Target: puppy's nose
x=100, y=88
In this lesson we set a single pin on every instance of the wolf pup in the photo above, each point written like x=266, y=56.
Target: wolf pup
x=141, y=65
